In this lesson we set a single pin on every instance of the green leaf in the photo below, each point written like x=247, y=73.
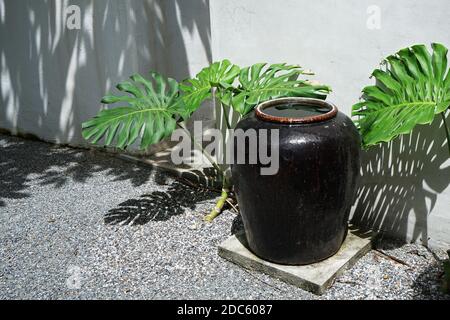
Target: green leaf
x=259, y=83
x=219, y=74
x=151, y=113
x=411, y=91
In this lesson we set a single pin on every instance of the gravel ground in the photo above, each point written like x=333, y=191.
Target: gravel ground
x=77, y=224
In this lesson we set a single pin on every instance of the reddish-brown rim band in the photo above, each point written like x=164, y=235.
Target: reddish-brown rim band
x=259, y=110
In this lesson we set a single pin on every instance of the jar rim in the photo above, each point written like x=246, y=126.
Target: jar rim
x=259, y=110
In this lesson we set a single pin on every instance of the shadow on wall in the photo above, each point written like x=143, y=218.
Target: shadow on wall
x=52, y=78
x=403, y=178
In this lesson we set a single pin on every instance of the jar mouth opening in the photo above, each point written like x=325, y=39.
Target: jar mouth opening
x=284, y=110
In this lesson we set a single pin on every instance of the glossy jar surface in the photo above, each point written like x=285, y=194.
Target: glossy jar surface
x=299, y=214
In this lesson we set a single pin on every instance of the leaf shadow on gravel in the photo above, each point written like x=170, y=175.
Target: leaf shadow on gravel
x=25, y=162
x=428, y=285
x=158, y=205
x=427, y=280
x=237, y=226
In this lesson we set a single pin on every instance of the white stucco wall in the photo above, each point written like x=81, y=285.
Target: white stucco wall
x=405, y=188
x=52, y=78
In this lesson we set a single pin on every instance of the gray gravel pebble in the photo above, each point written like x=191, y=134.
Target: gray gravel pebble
x=77, y=224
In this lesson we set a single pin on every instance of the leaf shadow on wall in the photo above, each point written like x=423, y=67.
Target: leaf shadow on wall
x=54, y=77
x=401, y=182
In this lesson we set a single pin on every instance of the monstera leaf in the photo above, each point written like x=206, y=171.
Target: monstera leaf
x=152, y=108
x=414, y=88
x=219, y=74
x=259, y=83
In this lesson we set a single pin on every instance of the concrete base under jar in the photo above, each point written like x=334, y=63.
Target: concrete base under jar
x=316, y=277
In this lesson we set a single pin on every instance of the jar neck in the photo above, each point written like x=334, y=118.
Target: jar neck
x=314, y=103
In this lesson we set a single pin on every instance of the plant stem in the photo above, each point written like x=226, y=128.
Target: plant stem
x=226, y=115
x=219, y=206
x=233, y=206
x=226, y=185
x=447, y=131
x=210, y=159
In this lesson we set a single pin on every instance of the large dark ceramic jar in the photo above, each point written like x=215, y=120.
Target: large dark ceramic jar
x=299, y=214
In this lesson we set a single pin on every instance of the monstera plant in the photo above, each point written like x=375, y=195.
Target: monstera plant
x=412, y=89
x=151, y=109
